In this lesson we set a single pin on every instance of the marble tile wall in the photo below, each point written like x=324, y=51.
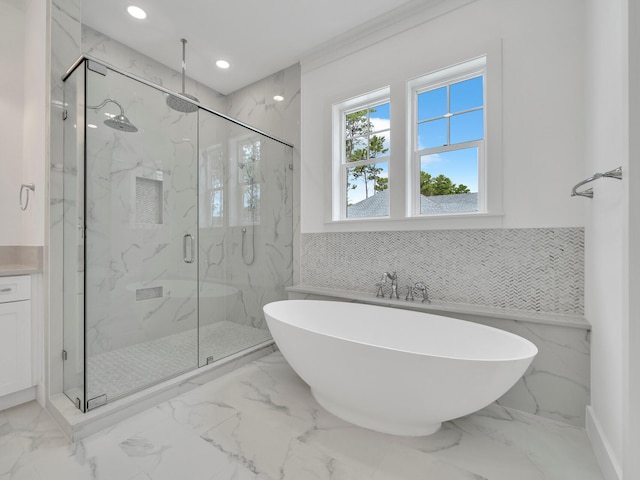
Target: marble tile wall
x=248, y=250
x=124, y=252
x=255, y=106
x=251, y=285
x=121, y=56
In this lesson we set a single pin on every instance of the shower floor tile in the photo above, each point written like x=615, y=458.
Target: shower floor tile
x=260, y=422
x=130, y=369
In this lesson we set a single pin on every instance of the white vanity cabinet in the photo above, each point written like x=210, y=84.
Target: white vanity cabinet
x=15, y=334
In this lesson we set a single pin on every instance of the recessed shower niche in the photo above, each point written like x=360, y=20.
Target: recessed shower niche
x=148, y=201
x=157, y=231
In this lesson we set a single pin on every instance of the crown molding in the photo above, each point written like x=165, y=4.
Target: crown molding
x=401, y=19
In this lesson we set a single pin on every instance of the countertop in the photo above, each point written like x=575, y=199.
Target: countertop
x=10, y=270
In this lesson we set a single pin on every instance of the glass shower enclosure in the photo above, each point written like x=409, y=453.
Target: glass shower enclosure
x=177, y=230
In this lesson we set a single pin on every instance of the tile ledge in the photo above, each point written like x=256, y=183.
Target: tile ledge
x=545, y=318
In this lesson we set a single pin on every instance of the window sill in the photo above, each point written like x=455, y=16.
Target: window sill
x=430, y=222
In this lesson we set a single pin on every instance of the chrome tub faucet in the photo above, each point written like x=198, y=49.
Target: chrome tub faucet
x=394, y=285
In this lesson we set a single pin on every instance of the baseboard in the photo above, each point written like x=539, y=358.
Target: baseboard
x=608, y=463
x=17, y=398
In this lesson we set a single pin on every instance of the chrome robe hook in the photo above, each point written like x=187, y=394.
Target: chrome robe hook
x=26, y=186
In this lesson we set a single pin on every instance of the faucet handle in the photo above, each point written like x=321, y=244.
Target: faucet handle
x=409, y=293
x=421, y=287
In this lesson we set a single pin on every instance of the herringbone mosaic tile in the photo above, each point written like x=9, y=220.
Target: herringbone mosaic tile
x=537, y=269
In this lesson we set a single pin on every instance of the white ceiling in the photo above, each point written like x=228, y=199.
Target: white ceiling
x=258, y=37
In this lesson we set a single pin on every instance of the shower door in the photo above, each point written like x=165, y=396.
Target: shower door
x=141, y=266
x=245, y=231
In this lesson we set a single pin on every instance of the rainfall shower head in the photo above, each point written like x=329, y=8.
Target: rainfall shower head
x=118, y=122
x=122, y=123
x=180, y=104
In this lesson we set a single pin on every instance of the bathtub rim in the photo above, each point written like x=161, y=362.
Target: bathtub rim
x=529, y=344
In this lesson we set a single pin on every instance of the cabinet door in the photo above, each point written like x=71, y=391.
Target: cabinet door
x=15, y=346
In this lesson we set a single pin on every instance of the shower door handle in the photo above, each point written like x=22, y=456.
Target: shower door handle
x=188, y=240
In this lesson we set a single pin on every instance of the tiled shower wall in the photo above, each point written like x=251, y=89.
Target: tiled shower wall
x=535, y=269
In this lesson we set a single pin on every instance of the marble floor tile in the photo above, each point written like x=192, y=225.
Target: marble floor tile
x=260, y=422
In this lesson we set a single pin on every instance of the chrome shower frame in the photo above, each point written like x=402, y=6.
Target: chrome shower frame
x=76, y=113
x=97, y=65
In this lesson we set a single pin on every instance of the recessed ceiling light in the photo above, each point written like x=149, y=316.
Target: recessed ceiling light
x=278, y=98
x=136, y=12
x=222, y=64
x=91, y=125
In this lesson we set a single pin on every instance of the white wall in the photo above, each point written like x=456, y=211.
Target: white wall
x=22, y=123
x=631, y=325
x=604, y=232
x=631, y=352
x=542, y=99
x=11, y=120
x=35, y=111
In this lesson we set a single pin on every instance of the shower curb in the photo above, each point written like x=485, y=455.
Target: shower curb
x=77, y=425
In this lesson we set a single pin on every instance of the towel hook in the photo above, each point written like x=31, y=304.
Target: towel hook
x=27, y=186
x=615, y=173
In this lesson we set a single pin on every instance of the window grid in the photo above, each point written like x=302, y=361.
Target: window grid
x=349, y=167
x=419, y=153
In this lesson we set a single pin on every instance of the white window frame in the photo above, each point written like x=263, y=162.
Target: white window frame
x=339, y=165
x=446, y=76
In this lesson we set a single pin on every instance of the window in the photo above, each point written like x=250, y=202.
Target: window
x=362, y=128
x=437, y=165
x=448, y=152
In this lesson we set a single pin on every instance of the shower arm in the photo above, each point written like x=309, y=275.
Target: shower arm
x=184, y=62
x=108, y=100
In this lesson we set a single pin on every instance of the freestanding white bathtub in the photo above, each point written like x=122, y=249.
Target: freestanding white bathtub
x=396, y=371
